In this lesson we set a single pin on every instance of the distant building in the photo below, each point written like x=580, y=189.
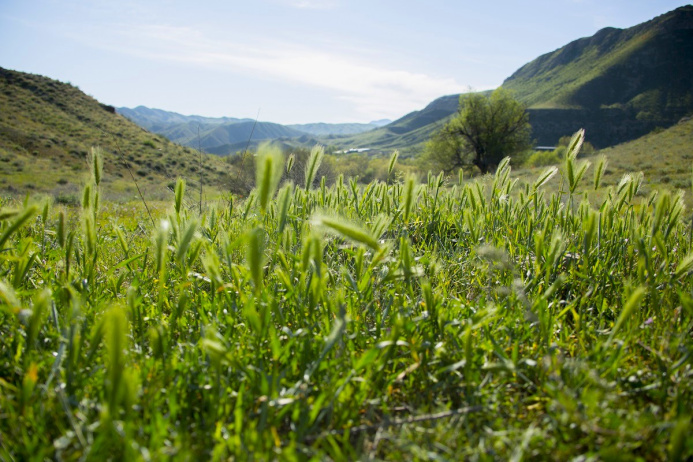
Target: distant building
x=353, y=150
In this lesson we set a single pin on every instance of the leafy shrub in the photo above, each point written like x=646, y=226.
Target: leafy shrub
x=67, y=199
x=543, y=158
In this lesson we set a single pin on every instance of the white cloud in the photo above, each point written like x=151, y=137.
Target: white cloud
x=375, y=90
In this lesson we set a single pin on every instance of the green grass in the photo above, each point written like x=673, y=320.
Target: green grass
x=380, y=321
x=664, y=157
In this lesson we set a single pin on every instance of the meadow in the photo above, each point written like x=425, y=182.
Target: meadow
x=475, y=320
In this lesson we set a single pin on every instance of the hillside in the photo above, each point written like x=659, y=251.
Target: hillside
x=620, y=84
x=646, y=68
x=214, y=135
x=664, y=157
x=408, y=132
x=625, y=82
x=47, y=129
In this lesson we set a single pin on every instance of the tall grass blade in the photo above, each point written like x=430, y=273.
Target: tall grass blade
x=268, y=173
x=179, y=194
x=23, y=217
x=599, y=172
x=575, y=144
x=96, y=165
x=116, y=330
x=408, y=198
x=544, y=177
x=347, y=230
x=255, y=256
x=314, y=161
x=391, y=165
x=630, y=306
x=283, y=201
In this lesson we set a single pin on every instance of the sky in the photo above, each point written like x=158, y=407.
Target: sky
x=295, y=61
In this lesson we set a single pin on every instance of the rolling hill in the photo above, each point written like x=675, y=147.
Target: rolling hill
x=214, y=135
x=47, y=129
x=406, y=133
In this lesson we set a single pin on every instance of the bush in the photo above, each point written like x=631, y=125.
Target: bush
x=542, y=158
x=67, y=199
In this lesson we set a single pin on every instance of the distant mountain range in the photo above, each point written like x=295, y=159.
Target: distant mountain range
x=156, y=120
x=227, y=135
x=324, y=129
x=618, y=84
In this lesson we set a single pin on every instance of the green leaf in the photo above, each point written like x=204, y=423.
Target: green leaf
x=347, y=230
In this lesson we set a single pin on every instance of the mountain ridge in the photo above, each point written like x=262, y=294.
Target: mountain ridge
x=619, y=84
x=613, y=67
x=221, y=135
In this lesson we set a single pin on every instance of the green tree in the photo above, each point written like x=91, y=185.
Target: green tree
x=486, y=129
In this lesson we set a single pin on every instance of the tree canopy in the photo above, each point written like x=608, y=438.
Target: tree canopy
x=486, y=129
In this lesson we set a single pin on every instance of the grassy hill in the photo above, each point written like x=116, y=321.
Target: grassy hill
x=407, y=133
x=47, y=129
x=213, y=137
x=665, y=158
x=623, y=82
x=619, y=84
x=646, y=68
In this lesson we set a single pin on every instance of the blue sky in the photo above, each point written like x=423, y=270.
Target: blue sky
x=296, y=61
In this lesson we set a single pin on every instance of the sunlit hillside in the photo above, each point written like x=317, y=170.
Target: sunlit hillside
x=47, y=129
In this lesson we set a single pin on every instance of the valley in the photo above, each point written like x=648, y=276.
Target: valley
x=184, y=287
